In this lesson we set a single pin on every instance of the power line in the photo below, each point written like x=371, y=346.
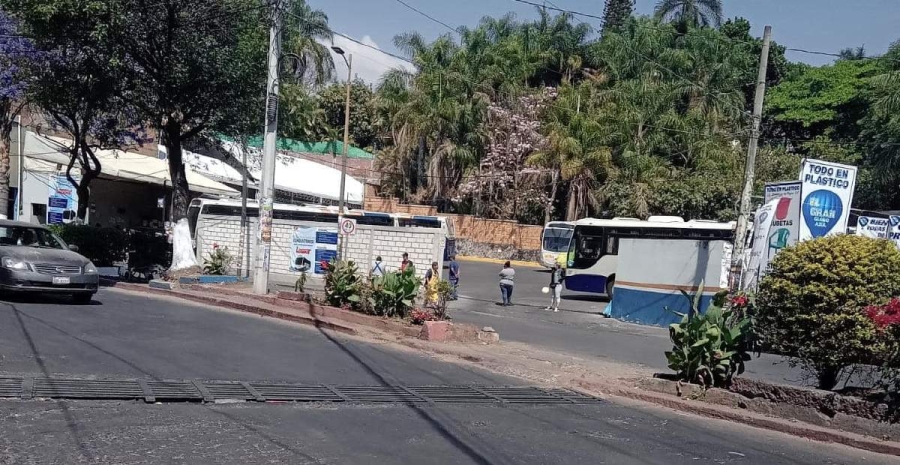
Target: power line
x=451, y=28
x=561, y=10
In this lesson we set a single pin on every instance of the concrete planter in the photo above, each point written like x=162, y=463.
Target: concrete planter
x=436, y=331
x=210, y=279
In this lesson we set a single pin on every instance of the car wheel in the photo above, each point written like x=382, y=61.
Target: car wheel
x=610, y=285
x=82, y=299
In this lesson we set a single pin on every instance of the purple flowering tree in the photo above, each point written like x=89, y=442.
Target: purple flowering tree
x=17, y=58
x=505, y=186
x=78, y=83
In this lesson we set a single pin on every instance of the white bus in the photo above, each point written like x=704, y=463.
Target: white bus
x=555, y=240
x=593, y=258
x=201, y=207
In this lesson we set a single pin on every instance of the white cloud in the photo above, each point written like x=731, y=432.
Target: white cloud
x=368, y=64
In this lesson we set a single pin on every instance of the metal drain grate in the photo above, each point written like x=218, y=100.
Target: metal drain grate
x=10, y=387
x=211, y=391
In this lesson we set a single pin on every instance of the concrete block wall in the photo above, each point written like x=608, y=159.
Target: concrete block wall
x=423, y=246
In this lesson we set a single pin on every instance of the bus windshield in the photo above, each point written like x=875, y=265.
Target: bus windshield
x=556, y=240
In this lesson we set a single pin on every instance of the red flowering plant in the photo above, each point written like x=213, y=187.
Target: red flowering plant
x=419, y=316
x=886, y=315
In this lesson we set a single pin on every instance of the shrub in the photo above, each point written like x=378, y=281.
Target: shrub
x=300, y=284
x=102, y=246
x=393, y=294
x=419, y=316
x=886, y=319
x=218, y=262
x=708, y=348
x=811, y=304
x=444, y=289
x=342, y=284
x=148, y=249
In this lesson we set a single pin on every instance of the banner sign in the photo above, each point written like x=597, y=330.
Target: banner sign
x=759, y=249
x=63, y=200
x=827, y=195
x=310, y=246
x=786, y=225
x=870, y=226
x=894, y=231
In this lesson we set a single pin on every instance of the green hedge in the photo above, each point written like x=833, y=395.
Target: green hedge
x=105, y=246
x=811, y=305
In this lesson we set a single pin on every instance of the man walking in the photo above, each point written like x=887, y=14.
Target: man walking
x=557, y=276
x=454, y=278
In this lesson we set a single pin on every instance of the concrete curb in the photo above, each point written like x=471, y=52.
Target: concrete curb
x=794, y=428
x=497, y=261
x=310, y=319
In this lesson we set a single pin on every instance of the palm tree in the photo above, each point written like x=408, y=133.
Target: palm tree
x=576, y=150
x=691, y=12
x=304, y=30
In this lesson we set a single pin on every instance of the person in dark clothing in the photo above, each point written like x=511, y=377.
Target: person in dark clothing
x=453, y=277
x=557, y=276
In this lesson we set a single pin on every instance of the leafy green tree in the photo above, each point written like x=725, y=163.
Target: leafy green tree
x=332, y=102
x=691, y=12
x=616, y=13
x=823, y=100
x=195, y=67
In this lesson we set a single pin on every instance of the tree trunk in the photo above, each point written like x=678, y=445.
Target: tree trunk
x=828, y=377
x=183, y=256
x=573, y=202
x=5, y=147
x=420, y=166
x=180, y=189
x=548, y=210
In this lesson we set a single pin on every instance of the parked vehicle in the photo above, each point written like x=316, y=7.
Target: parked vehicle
x=555, y=240
x=34, y=260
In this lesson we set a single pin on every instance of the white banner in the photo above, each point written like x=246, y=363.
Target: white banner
x=827, y=195
x=894, y=231
x=785, y=230
x=759, y=249
x=310, y=246
x=870, y=226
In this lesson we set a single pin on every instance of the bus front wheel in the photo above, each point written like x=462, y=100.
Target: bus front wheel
x=610, y=284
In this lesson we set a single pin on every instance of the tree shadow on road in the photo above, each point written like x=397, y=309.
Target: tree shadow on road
x=474, y=448
x=71, y=424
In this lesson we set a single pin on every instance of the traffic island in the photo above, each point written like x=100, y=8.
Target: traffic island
x=875, y=418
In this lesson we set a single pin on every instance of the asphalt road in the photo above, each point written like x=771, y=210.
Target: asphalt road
x=579, y=327
x=133, y=335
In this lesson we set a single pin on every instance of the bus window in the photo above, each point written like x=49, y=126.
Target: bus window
x=612, y=245
x=374, y=219
x=590, y=244
x=421, y=222
x=193, y=214
x=556, y=240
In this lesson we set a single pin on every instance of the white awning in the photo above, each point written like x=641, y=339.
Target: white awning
x=292, y=174
x=43, y=153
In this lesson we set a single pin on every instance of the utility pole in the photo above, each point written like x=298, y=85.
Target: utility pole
x=750, y=169
x=267, y=180
x=245, y=223
x=348, y=59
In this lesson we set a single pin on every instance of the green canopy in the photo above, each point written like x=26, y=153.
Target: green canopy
x=335, y=147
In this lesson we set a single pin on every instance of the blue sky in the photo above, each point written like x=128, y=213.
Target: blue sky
x=823, y=25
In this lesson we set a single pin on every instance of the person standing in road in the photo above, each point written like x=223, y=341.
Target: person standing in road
x=557, y=276
x=453, y=278
x=507, y=277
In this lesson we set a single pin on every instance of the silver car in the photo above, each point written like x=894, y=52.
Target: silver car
x=33, y=259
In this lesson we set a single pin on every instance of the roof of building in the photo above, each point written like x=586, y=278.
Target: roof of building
x=331, y=147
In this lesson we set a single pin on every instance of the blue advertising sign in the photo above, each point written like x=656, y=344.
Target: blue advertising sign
x=63, y=198
x=827, y=196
